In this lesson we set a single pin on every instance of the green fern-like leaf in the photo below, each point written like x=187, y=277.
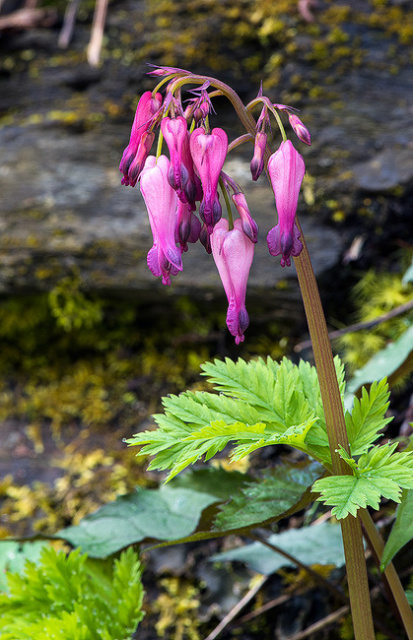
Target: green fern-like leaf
x=66, y=597
x=259, y=404
x=367, y=418
x=253, y=382
x=382, y=472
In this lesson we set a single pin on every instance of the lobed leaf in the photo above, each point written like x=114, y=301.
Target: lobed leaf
x=367, y=418
x=381, y=472
x=260, y=404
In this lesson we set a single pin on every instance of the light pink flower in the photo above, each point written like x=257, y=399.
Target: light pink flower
x=208, y=153
x=233, y=253
x=146, y=109
x=286, y=169
x=164, y=259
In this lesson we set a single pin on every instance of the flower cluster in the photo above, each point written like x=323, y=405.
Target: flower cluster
x=174, y=187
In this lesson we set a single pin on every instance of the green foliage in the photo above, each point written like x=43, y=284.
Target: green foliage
x=380, y=472
x=160, y=514
x=277, y=493
x=402, y=530
x=187, y=508
x=13, y=556
x=368, y=417
x=265, y=403
x=260, y=404
x=67, y=596
x=319, y=544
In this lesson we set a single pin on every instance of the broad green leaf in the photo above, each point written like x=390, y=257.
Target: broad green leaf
x=368, y=417
x=216, y=481
x=409, y=596
x=161, y=514
x=384, y=363
x=318, y=544
x=402, y=530
x=266, y=500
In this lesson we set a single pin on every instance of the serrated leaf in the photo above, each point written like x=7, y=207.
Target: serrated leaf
x=402, y=530
x=268, y=499
x=346, y=494
x=319, y=544
x=367, y=417
x=161, y=514
x=274, y=401
x=293, y=436
x=252, y=382
x=379, y=473
x=384, y=363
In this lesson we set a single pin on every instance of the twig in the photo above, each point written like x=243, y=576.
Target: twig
x=358, y=326
x=271, y=604
x=235, y=610
x=68, y=24
x=98, y=26
x=332, y=617
x=317, y=577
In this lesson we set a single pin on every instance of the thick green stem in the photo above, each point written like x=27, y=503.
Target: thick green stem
x=337, y=435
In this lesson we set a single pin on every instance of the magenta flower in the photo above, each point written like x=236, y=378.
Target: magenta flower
x=286, y=169
x=257, y=162
x=139, y=160
x=181, y=173
x=300, y=129
x=146, y=109
x=233, y=253
x=164, y=259
x=188, y=227
x=208, y=153
x=249, y=226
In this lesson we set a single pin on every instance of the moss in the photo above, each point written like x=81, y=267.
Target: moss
x=374, y=296
x=178, y=607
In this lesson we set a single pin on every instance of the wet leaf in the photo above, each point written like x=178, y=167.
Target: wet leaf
x=319, y=544
x=279, y=491
x=160, y=514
